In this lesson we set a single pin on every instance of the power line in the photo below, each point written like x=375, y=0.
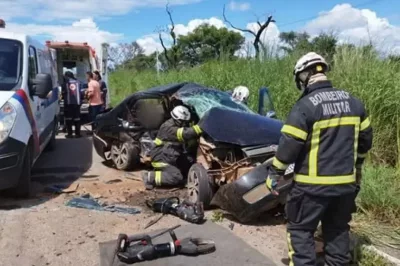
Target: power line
x=318, y=16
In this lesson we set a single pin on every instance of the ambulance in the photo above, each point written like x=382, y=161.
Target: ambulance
x=29, y=107
x=80, y=58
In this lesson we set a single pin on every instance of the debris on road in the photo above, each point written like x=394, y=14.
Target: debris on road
x=113, y=181
x=61, y=188
x=154, y=221
x=92, y=204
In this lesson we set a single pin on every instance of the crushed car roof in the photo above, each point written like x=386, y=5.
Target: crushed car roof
x=240, y=128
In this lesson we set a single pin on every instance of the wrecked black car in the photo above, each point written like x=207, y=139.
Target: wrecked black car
x=233, y=153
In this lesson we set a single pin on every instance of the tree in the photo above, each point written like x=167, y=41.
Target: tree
x=295, y=41
x=124, y=52
x=208, y=42
x=325, y=45
x=257, y=34
x=171, y=55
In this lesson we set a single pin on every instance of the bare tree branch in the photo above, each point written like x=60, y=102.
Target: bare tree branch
x=172, y=30
x=173, y=36
x=257, y=39
x=257, y=34
x=236, y=28
x=163, y=46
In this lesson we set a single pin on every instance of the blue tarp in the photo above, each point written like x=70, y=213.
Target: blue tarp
x=92, y=204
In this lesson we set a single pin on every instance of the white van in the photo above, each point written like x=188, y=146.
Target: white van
x=29, y=106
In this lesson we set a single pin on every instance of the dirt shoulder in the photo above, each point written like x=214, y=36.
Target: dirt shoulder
x=43, y=231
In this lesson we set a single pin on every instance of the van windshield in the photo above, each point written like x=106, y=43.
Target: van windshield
x=10, y=64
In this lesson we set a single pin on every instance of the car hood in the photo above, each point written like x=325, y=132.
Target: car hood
x=5, y=96
x=240, y=128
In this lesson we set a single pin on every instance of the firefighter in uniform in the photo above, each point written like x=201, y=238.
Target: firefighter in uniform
x=327, y=136
x=71, y=91
x=167, y=155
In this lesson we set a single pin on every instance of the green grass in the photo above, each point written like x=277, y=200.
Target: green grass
x=379, y=198
x=374, y=81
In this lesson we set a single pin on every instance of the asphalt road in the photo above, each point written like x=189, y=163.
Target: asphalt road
x=43, y=231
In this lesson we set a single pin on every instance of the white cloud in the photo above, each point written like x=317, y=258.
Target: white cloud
x=84, y=30
x=47, y=10
x=181, y=29
x=239, y=6
x=150, y=44
x=357, y=26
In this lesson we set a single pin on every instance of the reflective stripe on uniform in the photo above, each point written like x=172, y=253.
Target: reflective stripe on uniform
x=323, y=124
x=294, y=131
x=197, y=129
x=159, y=165
x=278, y=164
x=179, y=134
x=325, y=180
x=158, y=142
x=291, y=250
x=365, y=124
x=361, y=155
x=157, y=178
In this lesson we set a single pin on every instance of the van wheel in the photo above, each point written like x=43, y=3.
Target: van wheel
x=23, y=188
x=51, y=146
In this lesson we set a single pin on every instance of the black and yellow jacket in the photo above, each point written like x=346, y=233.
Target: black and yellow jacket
x=327, y=134
x=170, y=142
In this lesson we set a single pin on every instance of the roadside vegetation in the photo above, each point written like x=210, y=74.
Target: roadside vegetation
x=360, y=70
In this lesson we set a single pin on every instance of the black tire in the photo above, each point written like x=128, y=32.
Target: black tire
x=200, y=187
x=23, y=188
x=125, y=155
x=51, y=146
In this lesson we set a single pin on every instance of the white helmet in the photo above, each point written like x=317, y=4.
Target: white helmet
x=312, y=62
x=181, y=113
x=241, y=93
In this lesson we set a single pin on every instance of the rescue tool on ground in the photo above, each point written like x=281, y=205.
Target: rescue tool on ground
x=138, y=248
x=186, y=210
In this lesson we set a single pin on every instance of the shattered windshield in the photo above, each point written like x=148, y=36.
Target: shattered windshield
x=10, y=64
x=203, y=99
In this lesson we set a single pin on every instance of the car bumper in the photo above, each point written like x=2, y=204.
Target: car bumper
x=11, y=159
x=100, y=145
x=248, y=197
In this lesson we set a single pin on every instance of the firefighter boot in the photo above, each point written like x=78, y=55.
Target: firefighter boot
x=148, y=182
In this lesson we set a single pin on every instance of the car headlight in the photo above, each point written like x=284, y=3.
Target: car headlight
x=7, y=120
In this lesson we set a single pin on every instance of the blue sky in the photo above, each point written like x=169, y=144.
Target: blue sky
x=116, y=21
x=138, y=23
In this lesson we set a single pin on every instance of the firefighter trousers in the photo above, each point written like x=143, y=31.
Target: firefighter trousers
x=304, y=212
x=167, y=175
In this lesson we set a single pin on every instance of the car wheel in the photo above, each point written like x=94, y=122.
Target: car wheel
x=51, y=146
x=23, y=188
x=200, y=187
x=125, y=155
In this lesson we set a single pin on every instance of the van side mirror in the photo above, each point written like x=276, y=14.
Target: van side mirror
x=265, y=104
x=42, y=85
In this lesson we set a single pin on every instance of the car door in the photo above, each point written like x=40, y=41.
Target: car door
x=265, y=104
x=36, y=106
